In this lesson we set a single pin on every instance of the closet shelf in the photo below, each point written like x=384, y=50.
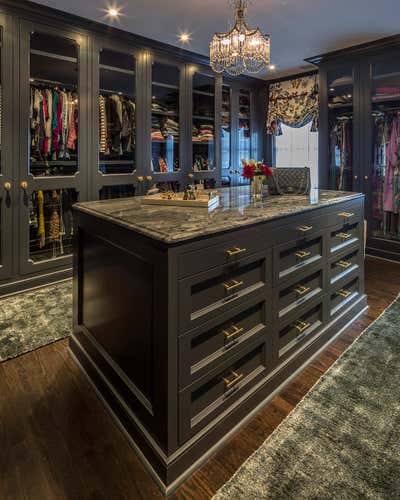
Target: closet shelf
x=54, y=56
x=117, y=70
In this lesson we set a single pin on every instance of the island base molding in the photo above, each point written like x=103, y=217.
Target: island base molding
x=170, y=472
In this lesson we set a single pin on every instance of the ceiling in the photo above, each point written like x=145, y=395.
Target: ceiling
x=298, y=28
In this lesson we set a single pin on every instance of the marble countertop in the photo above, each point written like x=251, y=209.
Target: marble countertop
x=171, y=224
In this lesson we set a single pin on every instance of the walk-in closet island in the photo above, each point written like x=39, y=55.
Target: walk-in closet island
x=186, y=319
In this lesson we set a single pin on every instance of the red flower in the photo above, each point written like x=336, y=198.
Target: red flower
x=249, y=171
x=267, y=171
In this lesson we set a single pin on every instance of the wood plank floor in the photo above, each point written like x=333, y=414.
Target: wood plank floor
x=58, y=442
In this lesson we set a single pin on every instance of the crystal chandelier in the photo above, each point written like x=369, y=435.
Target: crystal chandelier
x=242, y=49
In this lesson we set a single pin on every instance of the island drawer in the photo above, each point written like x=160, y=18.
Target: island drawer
x=204, y=348
x=205, y=295
x=348, y=235
x=227, y=251
x=342, y=266
x=300, y=229
x=344, y=295
x=290, y=297
x=299, y=331
x=207, y=398
x=293, y=257
x=348, y=213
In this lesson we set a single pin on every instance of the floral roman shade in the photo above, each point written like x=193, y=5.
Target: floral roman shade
x=293, y=103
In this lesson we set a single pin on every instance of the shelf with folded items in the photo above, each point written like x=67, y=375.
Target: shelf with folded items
x=117, y=113
x=203, y=122
x=165, y=126
x=54, y=105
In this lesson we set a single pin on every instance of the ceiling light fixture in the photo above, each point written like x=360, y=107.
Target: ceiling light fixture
x=113, y=12
x=241, y=49
x=185, y=37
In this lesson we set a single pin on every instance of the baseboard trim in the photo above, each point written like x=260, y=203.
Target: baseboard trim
x=33, y=282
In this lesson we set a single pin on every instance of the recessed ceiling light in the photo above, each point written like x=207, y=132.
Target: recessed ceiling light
x=185, y=37
x=272, y=67
x=113, y=12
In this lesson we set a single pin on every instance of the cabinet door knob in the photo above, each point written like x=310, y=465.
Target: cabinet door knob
x=149, y=178
x=140, y=178
x=355, y=177
x=7, y=186
x=366, y=177
x=24, y=185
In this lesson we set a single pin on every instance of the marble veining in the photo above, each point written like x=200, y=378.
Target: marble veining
x=171, y=224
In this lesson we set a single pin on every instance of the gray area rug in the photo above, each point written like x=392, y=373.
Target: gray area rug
x=34, y=319
x=342, y=440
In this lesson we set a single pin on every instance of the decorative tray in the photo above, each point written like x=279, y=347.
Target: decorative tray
x=176, y=199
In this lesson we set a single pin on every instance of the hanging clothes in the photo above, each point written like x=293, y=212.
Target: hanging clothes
x=391, y=188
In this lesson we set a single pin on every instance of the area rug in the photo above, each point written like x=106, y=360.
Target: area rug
x=342, y=441
x=35, y=318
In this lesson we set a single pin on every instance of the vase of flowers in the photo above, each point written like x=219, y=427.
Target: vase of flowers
x=258, y=173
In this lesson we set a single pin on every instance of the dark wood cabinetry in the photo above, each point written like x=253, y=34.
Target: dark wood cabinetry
x=90, y=66
x=359, y=105
x=185, y=340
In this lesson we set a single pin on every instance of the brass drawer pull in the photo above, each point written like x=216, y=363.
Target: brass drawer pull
x=235, y=251
x=302, y=290
x=301, y=326
x=231, y=335
x=344, y=264
x=344, y=293
x=235, y=284
x=304, y=229
x=302, y=254
x=231, y=382
x=344, y=236
x=346, y=215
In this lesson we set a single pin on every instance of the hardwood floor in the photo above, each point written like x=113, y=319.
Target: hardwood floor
x=58, y=442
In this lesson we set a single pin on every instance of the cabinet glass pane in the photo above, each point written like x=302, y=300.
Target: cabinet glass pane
x=1, y=108
x=340, y=118
x=117, y=113
x=385, y=180
x=118, y=191
x=165, y=118
x=54, y=106
x=203, y=122
x=244, y=125
x=51, y=223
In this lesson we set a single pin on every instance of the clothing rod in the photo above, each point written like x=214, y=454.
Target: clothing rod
x=116, y=92
x=52, y=82
x=54, y=56
x=201, y=92
x=117, y=70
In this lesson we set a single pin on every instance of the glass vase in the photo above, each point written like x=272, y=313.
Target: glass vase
x=257, y=187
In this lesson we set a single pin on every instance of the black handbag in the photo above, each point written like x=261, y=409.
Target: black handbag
x=290, y=180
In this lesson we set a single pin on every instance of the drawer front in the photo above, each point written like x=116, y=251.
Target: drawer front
x=215, y=291
x=343, y=236
x=205, y=400
x=289, y=298
x=300, y=229
x=201, y=350
x=294, y=257
x=233, y=249
x=297, y=332
x=344, y=265
x=344, y=295
x=346, y=213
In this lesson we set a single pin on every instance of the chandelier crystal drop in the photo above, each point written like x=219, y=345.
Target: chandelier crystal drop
x=241, y=49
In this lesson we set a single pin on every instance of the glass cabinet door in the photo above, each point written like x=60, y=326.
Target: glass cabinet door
x=50, y=179
x=116, y=136
x=165, y=128
x=203, y=122
x=7, y=176
x=226, y=136
x=384, y=178
x=244, y=132
x=340, y=126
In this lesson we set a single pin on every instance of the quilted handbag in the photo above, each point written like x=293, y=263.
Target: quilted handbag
x=290, y=180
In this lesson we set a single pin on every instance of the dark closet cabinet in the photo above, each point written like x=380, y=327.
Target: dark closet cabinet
x=88, y=113
x=359, y=140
